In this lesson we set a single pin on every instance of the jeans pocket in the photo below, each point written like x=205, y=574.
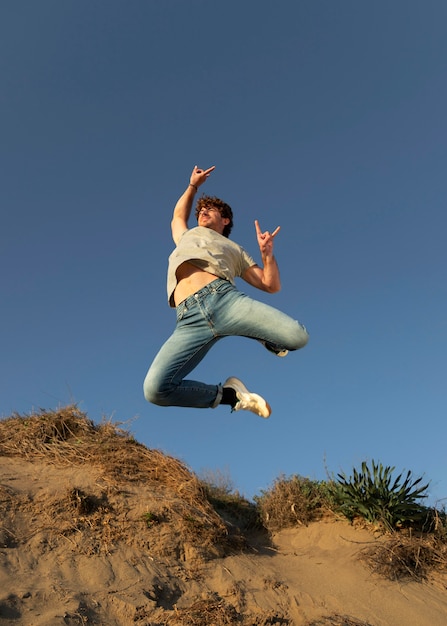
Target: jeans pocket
x=223, y=287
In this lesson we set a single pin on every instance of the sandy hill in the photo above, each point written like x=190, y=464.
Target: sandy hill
x=98, y=529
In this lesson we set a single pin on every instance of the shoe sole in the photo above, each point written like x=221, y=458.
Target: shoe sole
x=241, y=389
x=281, y=353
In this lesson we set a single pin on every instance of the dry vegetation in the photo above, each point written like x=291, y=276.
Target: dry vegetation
x=338, y=620
x=402, y=553
x=294, y=501
x=407, y=556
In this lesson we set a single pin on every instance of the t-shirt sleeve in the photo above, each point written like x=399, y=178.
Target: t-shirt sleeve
x=246, y=262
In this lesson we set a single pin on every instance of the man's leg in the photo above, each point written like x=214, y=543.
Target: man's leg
x=240, y=315
x=194, y=335
x=165, y=382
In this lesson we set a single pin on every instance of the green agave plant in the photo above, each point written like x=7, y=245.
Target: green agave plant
x=373, y=494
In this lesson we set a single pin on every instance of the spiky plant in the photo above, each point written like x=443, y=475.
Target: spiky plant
x=373, y=494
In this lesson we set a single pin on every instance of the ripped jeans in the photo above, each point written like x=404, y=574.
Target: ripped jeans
x=218, y=310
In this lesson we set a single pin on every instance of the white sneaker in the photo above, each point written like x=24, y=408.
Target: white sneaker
x=247, y=401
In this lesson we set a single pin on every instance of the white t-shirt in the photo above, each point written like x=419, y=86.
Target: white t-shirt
x=211, y=252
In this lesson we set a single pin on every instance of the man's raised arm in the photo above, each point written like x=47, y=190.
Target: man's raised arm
x=182, y=209
x=267, y=277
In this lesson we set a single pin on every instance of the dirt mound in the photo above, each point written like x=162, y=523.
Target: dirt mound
x=97, y=529
x=136, y=492
x=89, y=502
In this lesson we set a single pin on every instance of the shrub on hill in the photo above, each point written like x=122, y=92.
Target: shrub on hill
x=417, y=539
x=373, y=494
x=293, y=501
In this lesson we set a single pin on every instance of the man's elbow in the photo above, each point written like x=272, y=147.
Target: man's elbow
x=272, y=288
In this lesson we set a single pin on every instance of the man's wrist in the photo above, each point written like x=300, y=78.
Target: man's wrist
x=268, y=258
x=193, y=186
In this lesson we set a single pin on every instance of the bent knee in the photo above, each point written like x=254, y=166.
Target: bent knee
x=153, y=392
x=151, y=396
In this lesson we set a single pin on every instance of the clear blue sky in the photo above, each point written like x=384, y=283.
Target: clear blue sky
x=325, y=117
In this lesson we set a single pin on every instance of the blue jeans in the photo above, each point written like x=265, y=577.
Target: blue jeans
x=216, y=311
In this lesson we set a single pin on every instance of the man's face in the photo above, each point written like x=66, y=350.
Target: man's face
x=209, y=217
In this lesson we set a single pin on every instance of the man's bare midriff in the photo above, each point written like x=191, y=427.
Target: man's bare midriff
x=190, y=279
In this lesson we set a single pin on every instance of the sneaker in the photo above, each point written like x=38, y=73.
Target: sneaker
x=247, y=401
x=271, y=348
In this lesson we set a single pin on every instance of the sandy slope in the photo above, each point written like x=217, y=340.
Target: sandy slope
x=315, y=572
x=49, y=577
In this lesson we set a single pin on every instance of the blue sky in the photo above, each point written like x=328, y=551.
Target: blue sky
x=325, y=117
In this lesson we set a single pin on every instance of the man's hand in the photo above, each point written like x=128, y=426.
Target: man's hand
x=199, y=176
x=265, y=240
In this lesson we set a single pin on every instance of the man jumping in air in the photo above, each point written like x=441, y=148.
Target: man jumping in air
x=200, y=283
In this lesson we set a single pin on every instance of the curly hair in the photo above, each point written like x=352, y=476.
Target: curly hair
x=224, y=209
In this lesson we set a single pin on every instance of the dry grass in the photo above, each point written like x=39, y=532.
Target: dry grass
x=338, y=620
x=66, y=437
x=407, y=556
x=217, y=612
x=204, y=613
x=292, y=502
